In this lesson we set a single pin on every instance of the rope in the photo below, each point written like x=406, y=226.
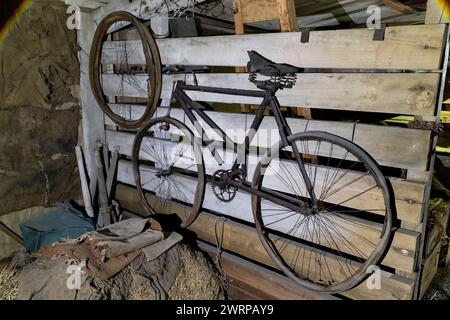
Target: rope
x=354, y=130
x=219, y=243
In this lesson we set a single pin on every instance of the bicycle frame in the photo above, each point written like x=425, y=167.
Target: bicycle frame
x=268, y=99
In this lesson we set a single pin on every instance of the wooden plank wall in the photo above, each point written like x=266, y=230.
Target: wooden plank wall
x=400, y=75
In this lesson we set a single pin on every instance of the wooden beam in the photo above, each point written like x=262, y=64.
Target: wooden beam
x=396, y=5
x=287, y=15
x=239, y=29
x=92, y=116
x=404, y=48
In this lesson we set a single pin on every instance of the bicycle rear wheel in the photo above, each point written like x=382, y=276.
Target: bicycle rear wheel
x=168, y=169
x=328, y=245
x=117, y=75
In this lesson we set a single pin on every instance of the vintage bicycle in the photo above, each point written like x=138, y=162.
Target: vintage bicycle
x=309, y=191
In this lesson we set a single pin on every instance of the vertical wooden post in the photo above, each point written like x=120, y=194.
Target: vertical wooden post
x=287, y=14
x=239, y=28
x=438, y=11
x=288, y=23
x=93, y=123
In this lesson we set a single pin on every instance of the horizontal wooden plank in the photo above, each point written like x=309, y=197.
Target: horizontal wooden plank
x=404, y=47
x=260, y=281
x=243, y=240
x=401, y=254
x=406, y=93
x=411, y=145
x=408, y=195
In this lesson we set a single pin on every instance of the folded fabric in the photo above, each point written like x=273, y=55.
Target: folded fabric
x=107, y=251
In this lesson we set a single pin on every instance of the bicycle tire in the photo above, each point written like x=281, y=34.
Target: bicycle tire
x=187, y=214
x=153, y=62
x=268, y=240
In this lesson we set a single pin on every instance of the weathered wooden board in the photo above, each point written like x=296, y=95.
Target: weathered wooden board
x=408, y=195
x=429, y=269
x=403, y=93
x=259, y=281
x=244, y=241
x=412, y=146
x=92, y=115
x=401, y=254
x=404, y=47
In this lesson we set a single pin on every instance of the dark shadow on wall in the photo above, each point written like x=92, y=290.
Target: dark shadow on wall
x=39, y=109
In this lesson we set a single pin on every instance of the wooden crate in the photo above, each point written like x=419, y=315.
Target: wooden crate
x=400, y=75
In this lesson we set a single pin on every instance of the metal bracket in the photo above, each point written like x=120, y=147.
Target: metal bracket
x=379, y=34
x=305, y=36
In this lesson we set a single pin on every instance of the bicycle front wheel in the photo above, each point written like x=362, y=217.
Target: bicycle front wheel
x=168, y=169
x=329, y=244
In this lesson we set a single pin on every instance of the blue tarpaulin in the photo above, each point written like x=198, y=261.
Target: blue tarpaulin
x=53, y=226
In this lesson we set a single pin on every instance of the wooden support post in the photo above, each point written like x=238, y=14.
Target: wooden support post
x=92, y=116
x=287, y=14
x=246, y=11
x=239, y=29
x=438, y=11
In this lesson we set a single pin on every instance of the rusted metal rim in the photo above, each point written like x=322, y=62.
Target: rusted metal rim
x=152, y=59
x=378, y=253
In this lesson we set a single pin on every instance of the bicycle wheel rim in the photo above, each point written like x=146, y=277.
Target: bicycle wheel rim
x=188, y=213
x=153, y=63
x=378, y=251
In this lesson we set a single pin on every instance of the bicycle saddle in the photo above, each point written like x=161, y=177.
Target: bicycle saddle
x=263, y=66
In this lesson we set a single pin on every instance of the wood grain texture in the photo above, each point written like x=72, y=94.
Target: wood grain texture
x=407, y=93
x=287, y=15
x=404, y=47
